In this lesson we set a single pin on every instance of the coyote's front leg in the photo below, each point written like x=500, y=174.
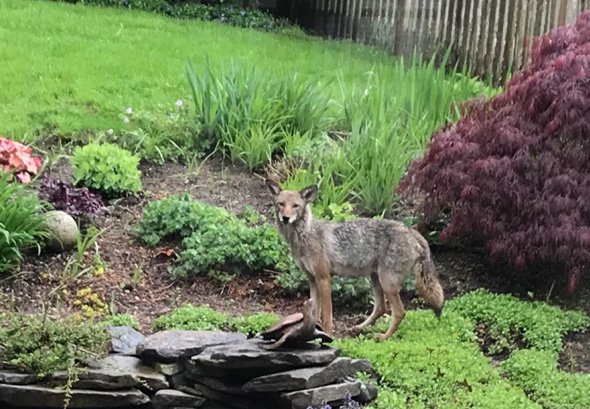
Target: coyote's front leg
x=325, y=300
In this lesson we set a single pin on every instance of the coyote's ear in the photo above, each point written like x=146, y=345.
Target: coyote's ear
x=308, y=194
x=273, y=186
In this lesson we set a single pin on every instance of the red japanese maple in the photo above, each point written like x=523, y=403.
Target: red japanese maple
x=515, y=170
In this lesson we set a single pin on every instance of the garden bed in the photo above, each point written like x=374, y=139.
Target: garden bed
x=136, y=278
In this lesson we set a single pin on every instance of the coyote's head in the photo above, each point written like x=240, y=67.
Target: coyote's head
x=290, y=205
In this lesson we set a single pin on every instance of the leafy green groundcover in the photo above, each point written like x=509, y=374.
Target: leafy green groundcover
x=438, y=364
x=42, y=345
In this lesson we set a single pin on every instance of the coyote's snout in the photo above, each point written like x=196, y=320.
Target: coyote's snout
x=385, y=251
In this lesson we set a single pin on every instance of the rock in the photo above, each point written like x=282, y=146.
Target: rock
x=368, y=393
x=227, y=385
x=124, y=339
x=63, y=230
x=102, y=379
x=324, y=394
x=169, y=346
x=169, y=369
x=29, y=396
x=223, y=398
x=307, y=378
x=249, y=355
x=133, y=366
x=170, y=398
x=17, y=378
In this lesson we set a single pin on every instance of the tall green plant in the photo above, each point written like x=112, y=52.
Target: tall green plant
x=22, y=223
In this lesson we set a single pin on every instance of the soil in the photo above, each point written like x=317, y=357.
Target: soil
x=136, y=279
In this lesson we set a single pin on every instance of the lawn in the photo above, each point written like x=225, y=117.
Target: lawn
x=68, y=68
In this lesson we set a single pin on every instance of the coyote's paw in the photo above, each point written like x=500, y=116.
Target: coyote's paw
x=381, y=337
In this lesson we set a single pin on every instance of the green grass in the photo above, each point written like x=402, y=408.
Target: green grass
x=69, y=67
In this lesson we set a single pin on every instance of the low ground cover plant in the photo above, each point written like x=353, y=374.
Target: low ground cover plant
x=537, y=374
x=161, y=134
x=514, y=173
x=76, y=201
x=513, y=324
x=106, y=168
x=438, y=363
x=204, y=318
x=22, y=223
x=40, y=345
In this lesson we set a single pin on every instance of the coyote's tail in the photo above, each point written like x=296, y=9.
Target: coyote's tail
x=427, y=283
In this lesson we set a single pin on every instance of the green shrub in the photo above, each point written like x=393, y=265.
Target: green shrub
x=42, y=345
x=189, y=317
x=106, y=168
x=213, y=238
x=22, y=223
x=510, y=320
x=223, y=13
x=536, y=373
x=116, y=320
x=433, y=363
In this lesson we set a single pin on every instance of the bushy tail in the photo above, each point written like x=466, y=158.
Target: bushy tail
x=427, y=283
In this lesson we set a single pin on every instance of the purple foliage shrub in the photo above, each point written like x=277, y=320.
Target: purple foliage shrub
x=514, y=172
x=76, y=201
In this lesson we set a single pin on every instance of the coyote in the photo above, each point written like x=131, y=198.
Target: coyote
x=383, y=250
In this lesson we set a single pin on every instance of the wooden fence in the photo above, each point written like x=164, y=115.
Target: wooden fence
x=490, y=36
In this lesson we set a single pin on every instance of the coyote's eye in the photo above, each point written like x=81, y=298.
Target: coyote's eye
x=281, y=204
x=295, y=205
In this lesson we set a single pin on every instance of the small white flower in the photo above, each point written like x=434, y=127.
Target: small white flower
x=179, y=103
x=110, y=132
x=126, y=119
x=129, y=111
x=366, y=93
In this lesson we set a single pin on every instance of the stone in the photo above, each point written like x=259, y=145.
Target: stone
x=368, y=393
x=169, y=369
x=307, y=378
x=324, y=394
x=17, y=378
x=131, y=365
x=102, y=379
x=224, y=398
x=168, y=346
x=124, y=339
x=63, y=230
x=248, y=355
x=31, y=396
x=170, y=398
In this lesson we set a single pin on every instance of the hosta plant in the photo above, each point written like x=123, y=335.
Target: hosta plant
x=106, y=168
x=514, y=172
x=17, y=159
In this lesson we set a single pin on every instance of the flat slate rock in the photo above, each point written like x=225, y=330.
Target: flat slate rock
x=171, y=345
x=31, y=396
x=324, y=394
x=102, y=379
x=134, y=366
x=170, y=398
x=17, y=378
x=124, y=339
x=308, y=378
x=249, y=355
